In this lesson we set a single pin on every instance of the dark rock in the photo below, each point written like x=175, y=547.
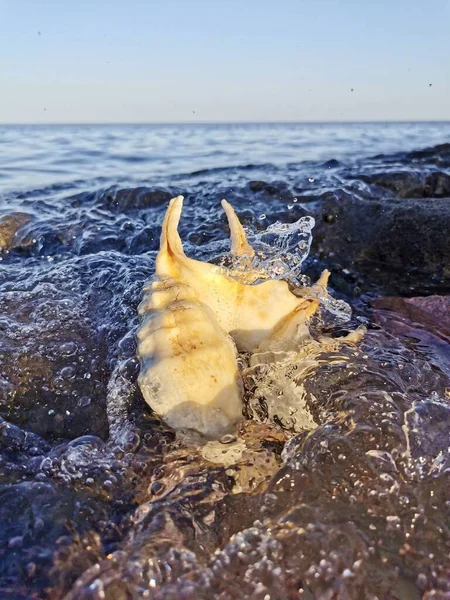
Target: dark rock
x=257, y=186
x=410, y=184
x=439, y=155
x=278, y=190
x=51, y=358
x=437, y=185
x=60, y=330
x=144, y=240
x=130, y=508
x=134, y=199
x=331, y=164
x=401, y=246
x=404, y=184
x=37, y=516
x=41, y=238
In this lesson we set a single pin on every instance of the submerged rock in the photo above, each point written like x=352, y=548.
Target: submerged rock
x=53, y=362
x=9, y=226
x=60, y=331
x=430, y=312
x=425, y=320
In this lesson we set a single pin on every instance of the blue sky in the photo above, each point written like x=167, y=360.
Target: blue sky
x=224, y=60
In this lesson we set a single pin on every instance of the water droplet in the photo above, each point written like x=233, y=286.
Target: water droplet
x=15, y=542
x=347, y=573
x=311, y=179
x=132, y=443
x=68, y=348
x=58, y=383
x=84, y=401
x=67, y=372
x=156, y=488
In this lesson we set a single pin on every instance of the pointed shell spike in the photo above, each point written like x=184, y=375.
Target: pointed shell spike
x=170, y=240
x=171, y=246
x=322, y=282
x=239, y=243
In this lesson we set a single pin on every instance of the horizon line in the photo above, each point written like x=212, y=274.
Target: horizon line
x=239, y=122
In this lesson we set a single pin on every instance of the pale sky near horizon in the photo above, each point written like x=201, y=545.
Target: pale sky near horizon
x=223, y=60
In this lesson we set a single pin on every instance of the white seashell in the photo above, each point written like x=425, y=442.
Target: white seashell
x=195, y=315
x=249, y=313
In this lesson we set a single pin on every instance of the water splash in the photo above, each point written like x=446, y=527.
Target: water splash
x=283, y=247
x=280, y=251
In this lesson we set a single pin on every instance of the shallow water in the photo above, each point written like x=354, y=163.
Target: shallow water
x=336, y=485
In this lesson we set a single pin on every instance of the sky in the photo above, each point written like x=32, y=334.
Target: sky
x=139, y=61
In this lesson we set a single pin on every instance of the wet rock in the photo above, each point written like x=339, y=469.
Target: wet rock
x=357, y=507
x=355, y=510
x=257, y=186
x=276, y=190
x=401, y=246
x=134, y=199
x=437, y=185
x=9, y=226
x=41, y=238
x=432, y=312
x=50, y=359
x=36, y=516
x=439, y=155
x=331, y=164
x=404, y=184
x=424, y=320
x=411, y=184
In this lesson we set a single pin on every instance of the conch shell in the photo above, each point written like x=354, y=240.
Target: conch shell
x=196, y=317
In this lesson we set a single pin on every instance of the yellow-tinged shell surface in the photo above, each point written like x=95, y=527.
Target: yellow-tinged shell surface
x=195, y=319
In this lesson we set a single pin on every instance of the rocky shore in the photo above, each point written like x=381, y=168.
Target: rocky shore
x=99, y=499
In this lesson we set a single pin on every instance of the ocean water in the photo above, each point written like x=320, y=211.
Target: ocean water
x=85, y=157
x=335, y=485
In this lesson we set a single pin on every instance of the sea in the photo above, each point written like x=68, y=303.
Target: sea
x=88, y=157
